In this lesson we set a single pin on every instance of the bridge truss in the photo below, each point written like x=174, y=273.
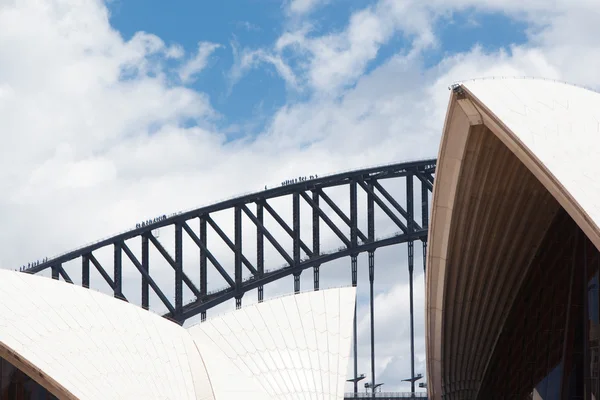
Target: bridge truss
x=317, y=218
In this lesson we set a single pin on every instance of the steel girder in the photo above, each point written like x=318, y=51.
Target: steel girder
x=255, y=207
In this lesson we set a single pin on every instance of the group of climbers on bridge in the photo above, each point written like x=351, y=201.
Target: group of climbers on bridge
x=33, y=264
x=296, y=180
x=150, y=221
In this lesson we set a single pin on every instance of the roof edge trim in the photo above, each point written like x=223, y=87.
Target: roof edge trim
x=39, y=376
x=443, y=185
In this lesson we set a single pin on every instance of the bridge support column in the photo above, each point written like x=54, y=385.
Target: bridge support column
x=316, y=238
x=411, y=247
x=178, y=268
x=85, y=271
x=260, y=249
x=354, y=263
x=261, y=294
x=296, y=283
x=145, y=267
x=371, y=236
x=371, y=301
x=118, y=275
x=412, y=315
x=55, y=271
x=203, y=259
x=296, y=239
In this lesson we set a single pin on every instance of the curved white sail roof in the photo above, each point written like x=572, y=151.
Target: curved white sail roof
x=537, y=135
x=92, y=346
x=559, y=125
x=294, y=347
x=82, y=344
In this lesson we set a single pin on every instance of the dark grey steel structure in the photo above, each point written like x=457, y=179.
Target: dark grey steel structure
x=302, y=256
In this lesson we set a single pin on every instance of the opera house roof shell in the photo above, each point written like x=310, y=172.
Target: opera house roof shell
x=514, y=153
x=81, y=344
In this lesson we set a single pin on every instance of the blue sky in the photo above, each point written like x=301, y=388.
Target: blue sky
x=247, y=105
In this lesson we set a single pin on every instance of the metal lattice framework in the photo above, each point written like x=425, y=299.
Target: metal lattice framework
x=247, y=275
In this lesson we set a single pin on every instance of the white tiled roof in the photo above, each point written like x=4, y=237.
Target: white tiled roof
x=98, y=347
x=294, y=347
x=559, y=123
x=95, y=346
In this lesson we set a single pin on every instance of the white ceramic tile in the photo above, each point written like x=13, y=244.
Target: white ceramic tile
x=300, y=343
x=92, y=344
x=100, y=347
x=558, y=122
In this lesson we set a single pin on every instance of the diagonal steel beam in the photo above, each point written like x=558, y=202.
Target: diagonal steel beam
x=171, y=262
x=148, y=278
x=209, y=255
x=429, y=177
x=214, y=299
x=64, y=274
x=383, y=206
x=102, y=272
x=230, y=244
x=425, y=180
x=340, y=213
x=284, y=225
x=325, y=218
x=394, y=203
x=268, y=235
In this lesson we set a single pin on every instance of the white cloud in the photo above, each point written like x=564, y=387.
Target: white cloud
x=302, y=7
x=196, y=64
x=336, y=60
x=246, y=60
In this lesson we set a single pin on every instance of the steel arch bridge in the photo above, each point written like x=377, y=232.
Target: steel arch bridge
x=396, y=210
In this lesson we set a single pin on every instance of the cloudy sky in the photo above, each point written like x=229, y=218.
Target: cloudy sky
x=113, y=112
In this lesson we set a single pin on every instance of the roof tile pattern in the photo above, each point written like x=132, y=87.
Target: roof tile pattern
x=558, y=122
x=98, y=347
x=295, y=347
x=95, y=346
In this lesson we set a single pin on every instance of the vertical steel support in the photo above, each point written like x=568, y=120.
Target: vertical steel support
x=371, y=237
x=203, y=264
x=410, y=243
x=354, y=267
x=296, y=239
x=316, y=238
x=85, y=271
x=353, y=230
x=145, y=267
x=178, y=268
x=424, y=219
x=260, y=249
x=237, y=227
x=118, y=271
x=55, y=273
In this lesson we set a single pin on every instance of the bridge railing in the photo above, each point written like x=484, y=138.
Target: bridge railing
x=386, y=395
